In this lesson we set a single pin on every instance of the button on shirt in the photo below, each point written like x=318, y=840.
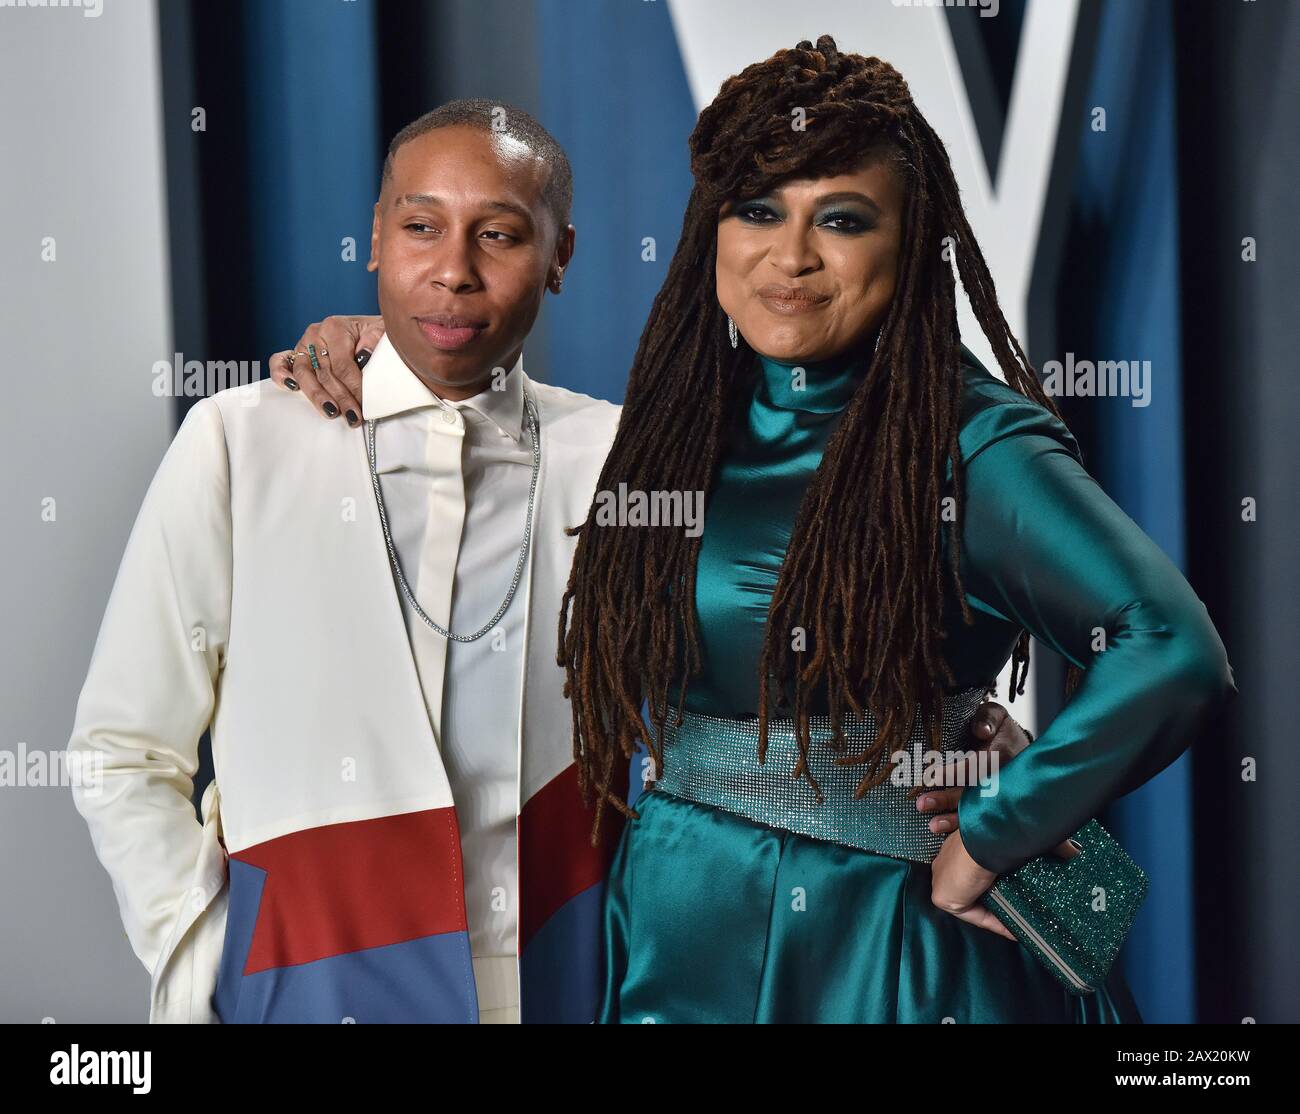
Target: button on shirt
x=455, y=479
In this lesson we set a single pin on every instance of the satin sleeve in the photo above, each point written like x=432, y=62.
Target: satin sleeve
x=1048, y=550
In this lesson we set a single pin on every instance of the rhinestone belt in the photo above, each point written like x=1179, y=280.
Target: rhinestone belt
x=713, y=760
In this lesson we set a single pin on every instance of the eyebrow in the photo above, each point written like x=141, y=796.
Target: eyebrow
x=495, y=206
x=842, y=195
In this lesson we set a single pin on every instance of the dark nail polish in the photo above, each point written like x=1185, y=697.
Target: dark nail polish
x=331, y=411
x=362, y=357
x=352, y=417
x=293, y=386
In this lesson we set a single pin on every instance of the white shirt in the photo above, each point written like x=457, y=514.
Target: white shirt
x=455, y=479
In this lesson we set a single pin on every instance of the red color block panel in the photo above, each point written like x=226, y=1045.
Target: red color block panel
x=556, y=859
x=364, y=884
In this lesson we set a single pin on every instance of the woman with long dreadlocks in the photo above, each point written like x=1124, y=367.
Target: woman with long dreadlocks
x=886, y=523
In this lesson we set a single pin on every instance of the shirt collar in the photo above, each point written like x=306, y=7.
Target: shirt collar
x=504, y=408
x=389, y=387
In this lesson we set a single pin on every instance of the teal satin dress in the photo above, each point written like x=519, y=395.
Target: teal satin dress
x=711, y=917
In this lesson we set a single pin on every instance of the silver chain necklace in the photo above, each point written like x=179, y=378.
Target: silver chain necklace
x=523, y=549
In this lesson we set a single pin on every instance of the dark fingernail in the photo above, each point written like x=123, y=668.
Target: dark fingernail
x=291, y=384
x=362, y=357
x=352, y=417
x=331, y=410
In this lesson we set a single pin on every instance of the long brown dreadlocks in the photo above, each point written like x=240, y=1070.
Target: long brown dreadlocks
x=863, y=574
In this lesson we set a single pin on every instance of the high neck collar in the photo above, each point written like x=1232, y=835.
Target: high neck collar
x=823, y=386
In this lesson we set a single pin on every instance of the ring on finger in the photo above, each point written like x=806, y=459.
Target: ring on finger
x=315, y=363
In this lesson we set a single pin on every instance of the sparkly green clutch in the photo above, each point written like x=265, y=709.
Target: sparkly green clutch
x=1073, y=914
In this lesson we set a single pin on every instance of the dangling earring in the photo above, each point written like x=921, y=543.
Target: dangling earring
x=731, y=332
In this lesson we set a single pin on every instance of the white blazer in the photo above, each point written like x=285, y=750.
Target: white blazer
x=255, y=598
